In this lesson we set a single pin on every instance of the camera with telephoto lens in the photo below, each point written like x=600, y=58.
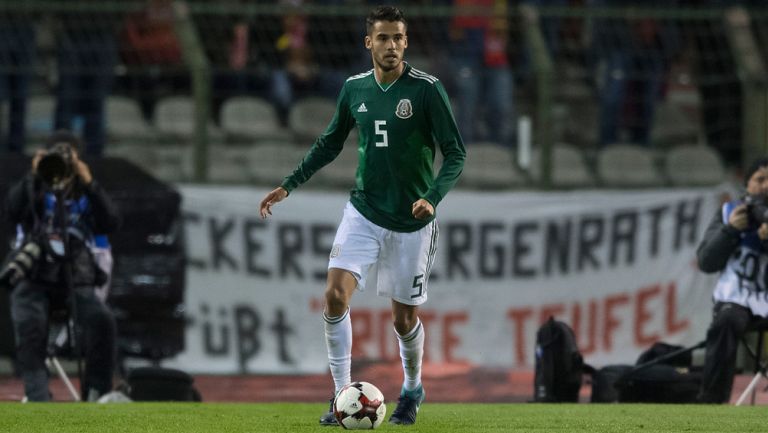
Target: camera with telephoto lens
x=757, y=209
x=20, y=264
x=55, y=168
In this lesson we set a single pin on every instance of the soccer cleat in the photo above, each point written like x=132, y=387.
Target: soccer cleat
x=329, y=418
x=408, y=406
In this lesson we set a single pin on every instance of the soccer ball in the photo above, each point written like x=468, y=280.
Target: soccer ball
x=359, y=406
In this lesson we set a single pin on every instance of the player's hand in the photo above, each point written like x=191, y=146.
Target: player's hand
x=423, y=209
x=739, y=218
x=275, y=196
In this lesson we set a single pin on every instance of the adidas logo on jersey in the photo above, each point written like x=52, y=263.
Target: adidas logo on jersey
x=362, y=108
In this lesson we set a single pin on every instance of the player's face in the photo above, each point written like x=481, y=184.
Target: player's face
x=387, y=43
x=758, y=182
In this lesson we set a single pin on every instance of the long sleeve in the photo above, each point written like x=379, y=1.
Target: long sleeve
x=105, y=216
x=446, y=134
x=718, y=243
x=326, y=148
x=17, y=202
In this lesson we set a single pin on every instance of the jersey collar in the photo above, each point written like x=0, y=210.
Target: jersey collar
x=405, y=71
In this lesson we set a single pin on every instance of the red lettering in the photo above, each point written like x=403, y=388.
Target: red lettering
x=643, y=316
x=426, y=317
x=388, y=349
x=518, y=317
x=362, y=332
x=450, y=339
x=591, y=334
x=610, y=322
x=672, y=324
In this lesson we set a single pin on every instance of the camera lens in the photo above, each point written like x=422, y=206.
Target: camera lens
x=52, y=168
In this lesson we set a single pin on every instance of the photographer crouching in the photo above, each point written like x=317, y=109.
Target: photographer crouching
x=58, y=208
x=736, y=245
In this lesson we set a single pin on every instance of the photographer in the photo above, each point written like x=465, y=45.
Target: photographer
x=57, y=209
x=736, y=245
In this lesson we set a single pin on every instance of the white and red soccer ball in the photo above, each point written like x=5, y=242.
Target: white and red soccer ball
x=359, y=406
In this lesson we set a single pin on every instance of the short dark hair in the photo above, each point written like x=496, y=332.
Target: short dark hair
x=63, y=136
x=756, y=165
x=384, y=13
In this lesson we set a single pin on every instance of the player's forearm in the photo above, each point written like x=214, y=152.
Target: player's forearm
x=320, y=155
x=453, y=164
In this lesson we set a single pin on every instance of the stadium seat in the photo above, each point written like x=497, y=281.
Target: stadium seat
x=228, y=165
x=628, y=165
x=693, y=165
x=137, y=153
x=125, y=120
x=169, y=162
x=491, y=166
x=174, y=118
x=569, y=167
x=250, y=118
x=269, y=163
x=309, y=117
x=672, y=124
x=172, y=162
x=581, y=123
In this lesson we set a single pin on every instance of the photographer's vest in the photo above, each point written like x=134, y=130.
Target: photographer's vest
x=47, y=232
x=76, y=226
x=745, y=279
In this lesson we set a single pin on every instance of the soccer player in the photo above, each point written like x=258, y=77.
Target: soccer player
x=403, y=115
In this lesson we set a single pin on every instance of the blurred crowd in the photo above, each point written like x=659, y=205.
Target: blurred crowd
x=476, y=47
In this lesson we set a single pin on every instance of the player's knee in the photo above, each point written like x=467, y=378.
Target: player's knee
x=335, y=300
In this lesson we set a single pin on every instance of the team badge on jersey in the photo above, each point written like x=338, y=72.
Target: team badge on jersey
x=335, y=251
x=404, y=109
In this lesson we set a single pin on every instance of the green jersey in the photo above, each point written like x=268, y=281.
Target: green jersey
x=399, y=128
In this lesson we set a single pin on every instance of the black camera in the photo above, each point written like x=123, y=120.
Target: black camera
x=757, y=209
x=55, y=168
x=20, y=264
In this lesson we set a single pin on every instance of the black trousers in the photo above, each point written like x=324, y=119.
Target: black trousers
x=729, y=323
x=30, y=311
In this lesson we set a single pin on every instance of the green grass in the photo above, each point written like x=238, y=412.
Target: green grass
x=437, y=418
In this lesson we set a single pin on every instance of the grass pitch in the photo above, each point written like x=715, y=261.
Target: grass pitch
x=433, y=418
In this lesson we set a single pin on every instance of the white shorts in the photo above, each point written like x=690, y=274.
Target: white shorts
x=397, y=263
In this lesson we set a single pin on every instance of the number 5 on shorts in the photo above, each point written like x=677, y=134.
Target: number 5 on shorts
x=418, y=284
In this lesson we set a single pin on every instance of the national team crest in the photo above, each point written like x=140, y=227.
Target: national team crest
x=404, y=109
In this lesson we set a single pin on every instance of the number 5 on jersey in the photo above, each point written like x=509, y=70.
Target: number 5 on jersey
x=378, y=126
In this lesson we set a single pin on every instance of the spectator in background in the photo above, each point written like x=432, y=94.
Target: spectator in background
x=551, y=28
x=484, y=81
x=230, y=48
x=735, y=244
x=632, y=57
x=17, y=54
x=87, y=55
x=718, y=80
x=153, y=54
x=296, y=72
x=336, y=41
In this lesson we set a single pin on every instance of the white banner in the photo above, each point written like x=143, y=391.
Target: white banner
x=618, y=266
